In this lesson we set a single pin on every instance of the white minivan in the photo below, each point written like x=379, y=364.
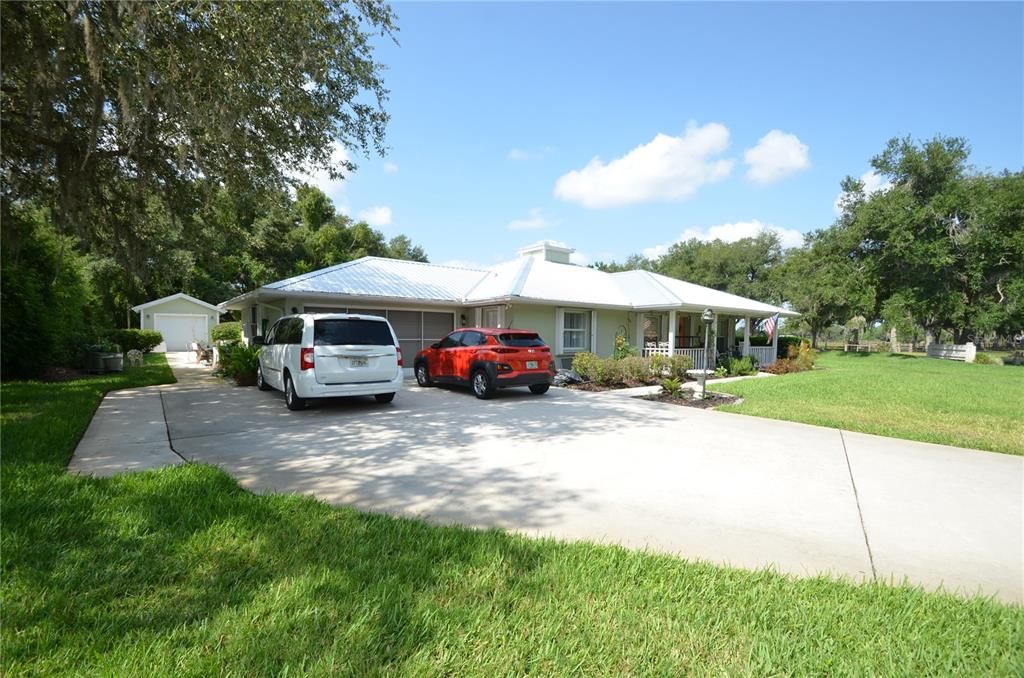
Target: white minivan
x=329, y=355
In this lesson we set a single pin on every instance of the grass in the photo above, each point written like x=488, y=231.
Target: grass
x=902, y=396
x=180, y=571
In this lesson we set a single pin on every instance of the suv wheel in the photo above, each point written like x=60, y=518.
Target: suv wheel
x=293, y=401
x=539, y=389
x=483, y=386
x=261, y=384
x=423, y=375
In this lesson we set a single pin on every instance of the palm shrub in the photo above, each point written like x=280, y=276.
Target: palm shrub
x=738, y=366
x=672, y=386
x=239, y=362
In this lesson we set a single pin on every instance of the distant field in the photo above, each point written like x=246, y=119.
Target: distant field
x=902, y=396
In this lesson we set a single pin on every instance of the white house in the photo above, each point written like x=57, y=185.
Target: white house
x=180, y=318
x=574, y=308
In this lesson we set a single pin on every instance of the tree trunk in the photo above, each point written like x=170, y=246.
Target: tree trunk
x=894, y=340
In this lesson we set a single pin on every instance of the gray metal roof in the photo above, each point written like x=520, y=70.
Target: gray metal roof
x=529, y=279
x=374, y=276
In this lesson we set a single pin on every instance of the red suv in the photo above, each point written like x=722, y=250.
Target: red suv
x=487, y=359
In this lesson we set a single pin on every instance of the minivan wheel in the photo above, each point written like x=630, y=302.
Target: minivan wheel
x=293, y=401
x=539, y=389
x=423, y=375
x=483, y=387
x=384, y=397
x=261, y=384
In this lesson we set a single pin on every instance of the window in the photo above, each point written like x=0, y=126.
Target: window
x=269, y=337
x=473, y=339
x=290, y=331
x=452, y=340
x=521, y=340
x=351, y=332
x=574, y=330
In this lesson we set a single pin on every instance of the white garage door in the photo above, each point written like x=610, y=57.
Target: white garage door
x=180, y=330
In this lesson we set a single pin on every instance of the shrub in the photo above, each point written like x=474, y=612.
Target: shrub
x=803, y=355
x=659, y=365
x=1016, y=359
x=673, y=387
x=984, y=359
x=781, y=366
x=239, y=362
x=635, y=370
x=231, y=331
x=786, y=341
x=738, y=366
x=623, y=349
x=585, y=365
x=135, y=339
x=678, y=366
x=608, y=372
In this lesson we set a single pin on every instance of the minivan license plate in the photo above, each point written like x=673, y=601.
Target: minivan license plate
x=359, y=362
x=531, y=364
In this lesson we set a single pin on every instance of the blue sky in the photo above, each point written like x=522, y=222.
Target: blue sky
x=705, y=119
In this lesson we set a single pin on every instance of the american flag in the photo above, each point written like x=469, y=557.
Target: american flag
x=769, y=324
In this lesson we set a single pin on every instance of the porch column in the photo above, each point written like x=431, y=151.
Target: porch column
x=746, y=335
x=639, y=332
x=775, y=342
x=672, y=332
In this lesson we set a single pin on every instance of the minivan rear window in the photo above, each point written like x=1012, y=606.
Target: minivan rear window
x=521, y=340
x=333, y=332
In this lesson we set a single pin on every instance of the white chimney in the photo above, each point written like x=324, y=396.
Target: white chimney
x=548, y=250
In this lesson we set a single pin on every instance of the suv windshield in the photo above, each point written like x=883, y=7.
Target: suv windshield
x=521, y=339
x=351, y=331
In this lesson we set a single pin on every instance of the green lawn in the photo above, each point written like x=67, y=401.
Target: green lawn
x=937, y=401
x=180, y=571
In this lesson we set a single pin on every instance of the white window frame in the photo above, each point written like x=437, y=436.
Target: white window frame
x=585, y=331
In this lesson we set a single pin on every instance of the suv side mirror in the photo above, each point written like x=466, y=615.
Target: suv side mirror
x=258, y=341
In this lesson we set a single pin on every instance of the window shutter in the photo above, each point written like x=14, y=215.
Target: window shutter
x=559, y=331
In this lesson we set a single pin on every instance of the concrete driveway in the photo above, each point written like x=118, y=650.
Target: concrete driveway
x=705, y=485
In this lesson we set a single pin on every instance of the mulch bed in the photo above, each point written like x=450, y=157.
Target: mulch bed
x=713, y=400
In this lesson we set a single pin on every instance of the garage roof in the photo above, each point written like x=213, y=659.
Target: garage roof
x=179, y=295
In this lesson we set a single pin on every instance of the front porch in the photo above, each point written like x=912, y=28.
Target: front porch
x=682, y=333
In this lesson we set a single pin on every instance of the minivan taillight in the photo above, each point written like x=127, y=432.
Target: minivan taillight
x=306, y=359
x=398, y=349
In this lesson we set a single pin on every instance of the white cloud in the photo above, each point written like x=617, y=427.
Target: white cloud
x=665, y=168
x=729, y=233
x=535, y=220
x=518, y=154
x=376, y=216
x=391, y=168
x=776, y=156
x=873, y=183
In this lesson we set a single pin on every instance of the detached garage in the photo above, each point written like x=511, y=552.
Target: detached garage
x=181, y=320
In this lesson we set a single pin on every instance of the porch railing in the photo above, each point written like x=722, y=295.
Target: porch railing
x=764, y=355
x=695, y=354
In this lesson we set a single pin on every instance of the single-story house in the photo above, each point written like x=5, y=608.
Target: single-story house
x=574, y=308
x=180, y=318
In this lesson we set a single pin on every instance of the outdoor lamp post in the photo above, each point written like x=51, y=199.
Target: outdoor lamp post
x=708, y=316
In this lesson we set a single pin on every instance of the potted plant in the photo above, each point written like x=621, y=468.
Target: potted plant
x=102, y=357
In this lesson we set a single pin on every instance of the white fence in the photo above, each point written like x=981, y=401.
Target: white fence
x=764, y=355
x=965, y=352
x=694, y=354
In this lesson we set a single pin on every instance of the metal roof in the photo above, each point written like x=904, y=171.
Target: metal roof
x=172, y=297
x=378, y=277
x=528, y=278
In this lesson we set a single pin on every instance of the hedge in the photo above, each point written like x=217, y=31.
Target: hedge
x=135, y=339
